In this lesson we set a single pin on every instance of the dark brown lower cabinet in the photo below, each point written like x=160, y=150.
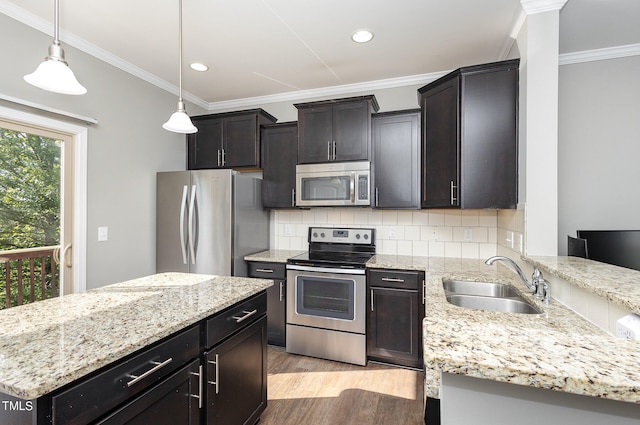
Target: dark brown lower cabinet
x=394, y=317
x=276, y=298
x=236, y=376
x=174, y=401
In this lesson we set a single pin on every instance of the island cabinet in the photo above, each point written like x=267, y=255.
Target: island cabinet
x=394, y=316
x=335, y=130
x=396, y=159
x=279, y=157
x=236, y=365
x=276, y=298
x=213, y=372
x=469, y=138
x=227, y=140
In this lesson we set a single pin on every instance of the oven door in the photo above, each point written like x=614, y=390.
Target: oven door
x=327, y=299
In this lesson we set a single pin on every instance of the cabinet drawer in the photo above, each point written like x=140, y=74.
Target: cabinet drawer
x=395, y=279
x=235, y=318
x=92, y=398
x=267, y=270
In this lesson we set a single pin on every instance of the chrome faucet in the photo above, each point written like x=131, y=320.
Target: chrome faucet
x=538, y=284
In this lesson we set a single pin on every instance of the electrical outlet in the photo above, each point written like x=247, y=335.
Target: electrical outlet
x=468, y=234
x=433, y=234
x=288, y=231
x=393, y=232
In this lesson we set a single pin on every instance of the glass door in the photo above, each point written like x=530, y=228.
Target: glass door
x=325, y=297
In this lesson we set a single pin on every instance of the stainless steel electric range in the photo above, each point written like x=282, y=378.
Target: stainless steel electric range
x=326, y=295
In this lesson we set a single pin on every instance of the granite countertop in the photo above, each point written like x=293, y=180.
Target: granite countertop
x=556, y=350
x=617, y=284
x=273, y=255
x=51, y=343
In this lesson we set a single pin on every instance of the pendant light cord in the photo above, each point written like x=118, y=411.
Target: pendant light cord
x=56, y=21
x=180, y=49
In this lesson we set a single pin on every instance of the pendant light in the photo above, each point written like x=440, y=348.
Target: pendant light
x=179, y=121
x=54, y=74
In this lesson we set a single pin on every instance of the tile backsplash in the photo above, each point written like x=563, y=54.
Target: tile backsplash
x=440, y=233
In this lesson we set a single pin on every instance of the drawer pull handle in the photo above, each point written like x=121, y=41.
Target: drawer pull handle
x=217, y=370
x=158, y=366
x=392, y=279
x=199, y=396
x=247, y=314
x=264, y=270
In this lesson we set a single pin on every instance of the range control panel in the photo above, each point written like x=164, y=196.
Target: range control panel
x=341, y=235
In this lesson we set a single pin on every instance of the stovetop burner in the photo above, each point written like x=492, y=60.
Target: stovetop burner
x=338, y=247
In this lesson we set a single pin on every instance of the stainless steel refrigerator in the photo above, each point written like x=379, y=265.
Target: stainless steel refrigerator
x=207, y=221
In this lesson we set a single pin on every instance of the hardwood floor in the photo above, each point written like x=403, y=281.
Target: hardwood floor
x=305, y=390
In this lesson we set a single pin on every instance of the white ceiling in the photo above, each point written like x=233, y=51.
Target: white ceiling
x=267, y=48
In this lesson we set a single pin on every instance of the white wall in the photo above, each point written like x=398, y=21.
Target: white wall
x=125, y=149
x=599, y=147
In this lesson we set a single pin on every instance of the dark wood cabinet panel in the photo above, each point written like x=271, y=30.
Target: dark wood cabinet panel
x=394, y=317
x=335, y=130
x=276, y=299
x=469, y=138
x=279, y=157
x=227, y=140
x=236, y=390
x=174, y=401
x=396, y=160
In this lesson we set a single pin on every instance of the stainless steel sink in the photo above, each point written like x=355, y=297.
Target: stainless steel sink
x=487, y=296
x=505, y=305
x=485, y=289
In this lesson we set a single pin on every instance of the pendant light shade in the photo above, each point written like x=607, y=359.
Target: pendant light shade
x=54, y=74
x=179, y=121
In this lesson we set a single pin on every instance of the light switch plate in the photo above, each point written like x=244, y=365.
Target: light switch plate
x=103, y=234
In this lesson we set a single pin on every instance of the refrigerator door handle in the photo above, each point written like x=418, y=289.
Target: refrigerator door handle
x=185, y=190
x=192, y=250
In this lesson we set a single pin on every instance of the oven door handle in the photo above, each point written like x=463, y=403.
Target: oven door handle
x=325, y=269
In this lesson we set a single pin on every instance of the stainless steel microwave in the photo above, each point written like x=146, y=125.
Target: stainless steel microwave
x=333, y=184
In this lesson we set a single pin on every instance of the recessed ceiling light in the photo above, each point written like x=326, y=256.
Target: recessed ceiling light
x=197, y=66
x=362, y=36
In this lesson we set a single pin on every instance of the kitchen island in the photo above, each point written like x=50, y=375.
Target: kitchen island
x=47, y=345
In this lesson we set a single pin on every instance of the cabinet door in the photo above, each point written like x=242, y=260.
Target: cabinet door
x=276, y=298
x=351, y=131
x=236, y=390
x=440, y=148
x=489, y=157
x=394, y=326
x=396, y=160
x=315, y=134
x=240, y=143
x=174, y=401
x=279, y=157
x=204, y=147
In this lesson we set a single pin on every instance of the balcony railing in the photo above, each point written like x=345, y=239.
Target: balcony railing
x=30, y=275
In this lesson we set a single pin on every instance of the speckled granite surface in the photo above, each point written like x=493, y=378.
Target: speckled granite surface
x=617, y=284
x=556, y=350
x=48, y=344
x=273, y=255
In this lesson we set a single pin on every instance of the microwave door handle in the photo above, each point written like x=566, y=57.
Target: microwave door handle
x=354, y=176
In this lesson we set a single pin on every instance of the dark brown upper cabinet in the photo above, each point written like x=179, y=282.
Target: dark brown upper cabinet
x=335, y=130
x=470, y=138
x=279, y=156
x=227, y=140
x=396, y=160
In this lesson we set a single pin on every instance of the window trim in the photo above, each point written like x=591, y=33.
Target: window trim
x=80, y=136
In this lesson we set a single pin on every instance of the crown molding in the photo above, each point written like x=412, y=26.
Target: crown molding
x=299, y=95
x=538, y=6
x=600, y=54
